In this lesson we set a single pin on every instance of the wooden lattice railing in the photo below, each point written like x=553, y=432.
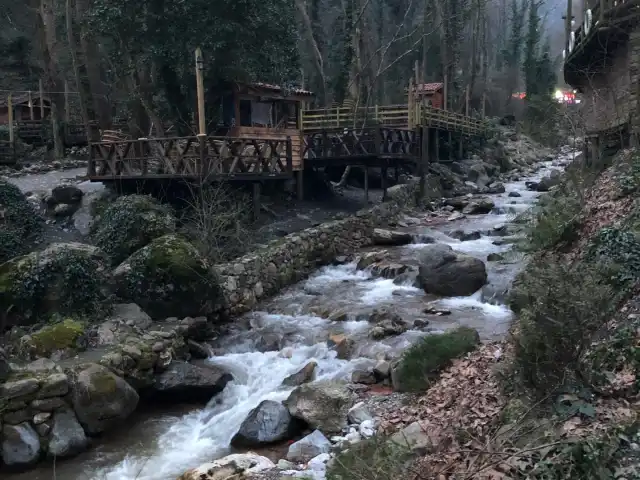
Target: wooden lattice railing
x=367, y=142
x=191, y=158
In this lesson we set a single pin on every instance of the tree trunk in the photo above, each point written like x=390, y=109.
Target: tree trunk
x=76, y=70
x=317, y=55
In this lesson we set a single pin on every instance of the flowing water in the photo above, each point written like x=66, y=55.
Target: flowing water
x=162, y=446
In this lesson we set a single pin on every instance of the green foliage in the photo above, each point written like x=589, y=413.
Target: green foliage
x=130, y=223
x=629, y=179
x=421, y=363
x=560, y=308
x=58, y=336
x=373, y=459
x=20, y=225
x=622, y=248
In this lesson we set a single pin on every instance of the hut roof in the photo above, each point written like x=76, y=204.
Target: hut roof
x=427, y=88
x=22, y=98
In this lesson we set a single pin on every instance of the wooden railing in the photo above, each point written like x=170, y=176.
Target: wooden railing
x=394, y=116
x=351, y=143
x=205, y=158
x=323, y=118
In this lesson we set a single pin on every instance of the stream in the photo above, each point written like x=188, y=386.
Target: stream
x=162, y=445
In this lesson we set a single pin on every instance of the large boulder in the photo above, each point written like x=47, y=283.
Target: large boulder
x=67, y=436
x=309, y=447
x=20, y=445
x=20, y=224
x=382, y=236
x=238, y=466
x=130, y=223
x=448, y=273
x=269, y=422
x=168, y=278
x=100, y=398
x=322, y=405
x=186, y=381
x=65, y=278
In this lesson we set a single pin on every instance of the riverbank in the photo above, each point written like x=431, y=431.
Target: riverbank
x=305, y=327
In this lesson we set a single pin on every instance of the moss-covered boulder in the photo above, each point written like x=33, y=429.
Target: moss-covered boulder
x=130, y=223
x=168, y=278
x=70, y=279
x=20, y=225
x=59, y=336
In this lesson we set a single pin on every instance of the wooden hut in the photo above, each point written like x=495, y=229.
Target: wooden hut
x=25, y=107
x=262, y=110
x=430, y=94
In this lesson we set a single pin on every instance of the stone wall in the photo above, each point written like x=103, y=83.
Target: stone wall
x=610, y=97
x=290, y=259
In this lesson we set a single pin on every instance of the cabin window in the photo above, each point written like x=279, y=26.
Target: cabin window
x=261, y=114
x=245, y=113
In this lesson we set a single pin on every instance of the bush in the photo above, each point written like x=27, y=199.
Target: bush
x=20, y=225
x=373, y=459
x=420, y=364
x=130, y=223
x=561, y=307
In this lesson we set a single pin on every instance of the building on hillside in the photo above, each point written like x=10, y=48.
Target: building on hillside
x=430, y=94
x=25, y=107
x=602, y=63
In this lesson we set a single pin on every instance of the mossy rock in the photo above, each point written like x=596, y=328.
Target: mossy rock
x=168, y=278
x=130, y=223
x=69, y=279
x=20, y=224
x=59, y=336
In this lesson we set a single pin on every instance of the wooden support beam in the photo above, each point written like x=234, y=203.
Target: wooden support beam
x=366, y=185
x=255, y=196
x=202, y=128
x=300, y=184
x=30, y=105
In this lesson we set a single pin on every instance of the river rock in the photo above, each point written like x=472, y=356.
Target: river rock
x=20, y=445
x=186, y=381
x=448, y=273
x=358, y=414
x=67, y=436
x=365, y=377
x=101, y=399
x=465, y=236
x=417, y=437
x=343, y=345
x=238, y=466
x=478, y=206
x=304, y=375
x=323, y=405
x=514, y=194
x=309, y=447
x=269, y=422
x=5, y=367
x=67, y=194
x=168, y=277
x=390, y=237
x=19, y=388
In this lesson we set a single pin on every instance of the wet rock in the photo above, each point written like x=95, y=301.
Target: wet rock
x=130, y=223
x=338, y=315
x=387, y=328
x=465, y=236
x=168, y=277
x=19, y=388
x=269, y=422
x=458, y=203
x=309, y=447
x=448, y=273
x=514, y=194
x=390, y=270
x=198, y=329
x=101, y=399
x=363, y=376
x=185, y=381
x=65, y=278
x=67, y=436
x=389, y=237
x=495, y=188
x=369, y=258
x=67, y=194
x=322, y=405
x=238, y=466
x=198, y=350
x=494, y=257
x=343, y=345
x=5, y=367
x=20, y=445
x=48, y=404
x=479, y=206
x=42, y=417
x=305, y=375
x=56, y=385
x=64, y=210
x=358, y=414
x=16, y=417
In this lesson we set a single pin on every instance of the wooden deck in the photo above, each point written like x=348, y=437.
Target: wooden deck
x=204, y=159
x=38, y=133
x=611, y=21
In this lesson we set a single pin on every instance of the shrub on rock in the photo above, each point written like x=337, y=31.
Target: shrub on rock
x=168, y=277
x=421, y=363
x=130, y=223
x=20, y=225
x=65, y=278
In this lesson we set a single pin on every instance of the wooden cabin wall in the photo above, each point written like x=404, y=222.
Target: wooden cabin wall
x=275, y=134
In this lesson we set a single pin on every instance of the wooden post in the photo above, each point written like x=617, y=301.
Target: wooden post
x=410, y=102
x=445, y=93
x=10, y=111
x=416, y=72
x=30, y=105
x=466, y=101
x=366, y=185
x=200, y=89
x=40, y=84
